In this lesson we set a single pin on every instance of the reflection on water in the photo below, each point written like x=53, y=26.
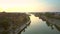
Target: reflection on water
x=42, y=26
x=23, y=30
x=52, y=19
x=37, y=23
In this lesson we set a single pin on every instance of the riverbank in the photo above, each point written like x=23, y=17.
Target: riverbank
x=9, y=22
x=52, y=19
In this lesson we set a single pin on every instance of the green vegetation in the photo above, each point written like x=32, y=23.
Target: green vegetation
x=48, y=15
x=5, y=32
x=4, y=22
x=12, y=21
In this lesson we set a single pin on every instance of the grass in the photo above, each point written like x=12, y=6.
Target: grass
x=52, y=16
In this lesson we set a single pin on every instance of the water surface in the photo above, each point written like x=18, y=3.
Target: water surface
x=38, y=26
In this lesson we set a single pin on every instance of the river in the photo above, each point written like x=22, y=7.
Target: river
x=38, y=26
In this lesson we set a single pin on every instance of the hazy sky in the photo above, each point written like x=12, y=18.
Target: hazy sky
x=29, y=5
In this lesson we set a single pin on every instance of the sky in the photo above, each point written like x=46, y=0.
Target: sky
x=29, y=5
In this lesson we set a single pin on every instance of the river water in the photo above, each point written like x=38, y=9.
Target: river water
x=38, y=26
